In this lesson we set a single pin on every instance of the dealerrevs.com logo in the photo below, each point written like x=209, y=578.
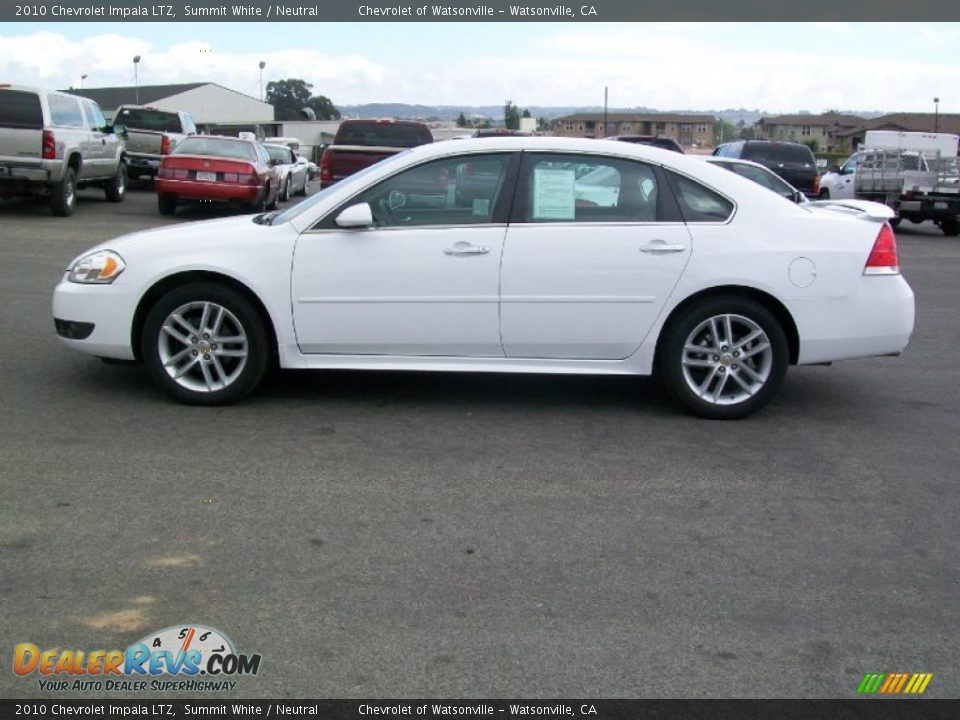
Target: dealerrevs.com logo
x=183, y=657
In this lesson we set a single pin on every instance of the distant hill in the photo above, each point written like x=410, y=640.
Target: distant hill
x=495, y=112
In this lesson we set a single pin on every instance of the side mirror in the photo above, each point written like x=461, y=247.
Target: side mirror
x=356, y=216
x=116, y=129
x=798, y=197
x=274, y=162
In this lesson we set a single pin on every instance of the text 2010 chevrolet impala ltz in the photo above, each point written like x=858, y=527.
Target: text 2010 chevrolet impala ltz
x=536, y=255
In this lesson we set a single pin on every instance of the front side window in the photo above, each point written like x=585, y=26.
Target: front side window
x=463, y=190
x=698, y=203
x=64, y=111
x=572, y=188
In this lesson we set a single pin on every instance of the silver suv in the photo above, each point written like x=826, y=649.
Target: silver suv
x=54, y=143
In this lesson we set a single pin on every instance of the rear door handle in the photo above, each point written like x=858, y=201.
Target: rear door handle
x=463, y=248
x=660, y=247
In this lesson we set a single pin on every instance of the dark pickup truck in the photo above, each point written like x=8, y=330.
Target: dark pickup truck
x=361, y=143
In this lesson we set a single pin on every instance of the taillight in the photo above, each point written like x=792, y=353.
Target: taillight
x=165, y=145
x=49, y=146
x=231, y=177
x=326, y=166
x=173, y=173
x=883, y=259
x=816, y=184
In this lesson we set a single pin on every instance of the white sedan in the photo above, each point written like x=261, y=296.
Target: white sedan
x=484, y=255
x=292, y=170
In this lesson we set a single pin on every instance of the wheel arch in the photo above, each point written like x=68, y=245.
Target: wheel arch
x=761, y=297
x=164, y=285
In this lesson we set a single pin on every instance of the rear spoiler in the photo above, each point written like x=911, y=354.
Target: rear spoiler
x=867, y=209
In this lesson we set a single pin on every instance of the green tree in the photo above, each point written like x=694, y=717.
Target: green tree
x=290, y=96
x=526, y=114
x=461, y=120
x=813, y=144
x=542, y=124
x=726, y=131
x=511, y=116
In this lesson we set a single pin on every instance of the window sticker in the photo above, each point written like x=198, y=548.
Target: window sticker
x=553, y=194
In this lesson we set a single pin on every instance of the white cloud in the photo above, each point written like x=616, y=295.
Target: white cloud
x=665, y=66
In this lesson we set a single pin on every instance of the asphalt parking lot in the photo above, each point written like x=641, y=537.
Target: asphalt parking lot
x=417, y=535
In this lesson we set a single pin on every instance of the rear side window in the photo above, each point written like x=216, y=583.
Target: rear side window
x=575, y=188
x=383, y=134
x=65, y=111
x=785, y=153
x=156, y=120
x=698, y=203
x=20, y=110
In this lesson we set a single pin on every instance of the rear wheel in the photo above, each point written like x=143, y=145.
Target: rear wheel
x=950, y=228
x=205, y=344
x=167, y=204
x=894, y=222
x=63, y=195
x=116, y=187
x=724, y=358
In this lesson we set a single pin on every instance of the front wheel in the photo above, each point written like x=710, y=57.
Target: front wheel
x=285, y=192
x=205, y=344
x=724, y=358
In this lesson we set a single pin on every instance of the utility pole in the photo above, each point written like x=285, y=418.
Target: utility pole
x=604, y=112
x=136, y=78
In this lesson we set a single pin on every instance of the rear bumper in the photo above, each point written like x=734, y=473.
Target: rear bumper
x=218, y=192
x=138, y=164
x=876, y=320
x=15, y=173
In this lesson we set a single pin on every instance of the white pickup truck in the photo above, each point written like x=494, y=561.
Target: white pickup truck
x=915, y=174
x=151, y=134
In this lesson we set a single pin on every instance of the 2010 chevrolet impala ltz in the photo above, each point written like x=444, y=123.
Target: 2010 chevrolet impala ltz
x=535, y=255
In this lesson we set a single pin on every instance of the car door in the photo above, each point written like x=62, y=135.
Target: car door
x=103, y=146
x=423, y=278
x=844, y=185
x=595, y=246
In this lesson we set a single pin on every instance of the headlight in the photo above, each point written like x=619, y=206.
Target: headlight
x=101, y=267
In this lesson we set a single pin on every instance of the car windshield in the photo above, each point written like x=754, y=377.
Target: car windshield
x=301, y=207
x=778, y=153
x=277, y=152
x=217, y=147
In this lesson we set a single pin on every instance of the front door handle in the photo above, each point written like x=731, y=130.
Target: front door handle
x=465, y=248
x=660, y=247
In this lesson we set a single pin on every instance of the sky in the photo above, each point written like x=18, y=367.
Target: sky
x=776, y=67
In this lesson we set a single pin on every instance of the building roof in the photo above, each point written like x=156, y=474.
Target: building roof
x=632, y=117
x=810, y=119
x=113, y=97
x=909, y=122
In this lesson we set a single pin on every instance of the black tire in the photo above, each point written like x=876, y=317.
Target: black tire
x=244, y=313
x=260, y=206
x=824, y=194
x=116, y=187
x=895, y=222
x=773, y=363
x=950, y=228
x=272, y=204
x=303, y=191
x=285, y=192
x=63, y=195
x=167, y=204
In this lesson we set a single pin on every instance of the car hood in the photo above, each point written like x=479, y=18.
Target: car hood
x=193, y=235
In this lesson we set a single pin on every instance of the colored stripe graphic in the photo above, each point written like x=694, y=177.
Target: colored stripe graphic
x=894, y=683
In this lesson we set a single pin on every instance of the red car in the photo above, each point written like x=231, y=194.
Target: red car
x=219, y=169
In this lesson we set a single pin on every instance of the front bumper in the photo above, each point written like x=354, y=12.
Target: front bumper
x=108, y=311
